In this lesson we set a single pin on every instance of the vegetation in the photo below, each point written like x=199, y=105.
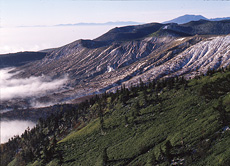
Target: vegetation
x=163, y=122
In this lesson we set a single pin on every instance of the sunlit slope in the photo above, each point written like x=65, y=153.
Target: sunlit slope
x=123, y=55
x=133, y=134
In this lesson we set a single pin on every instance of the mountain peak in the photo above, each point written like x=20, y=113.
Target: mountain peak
x=129, y=32
x=186, y=18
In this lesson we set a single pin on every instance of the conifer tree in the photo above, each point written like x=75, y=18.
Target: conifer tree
x=105, y=157
x=102, y=123
x=136, y=110
x=60, y=157
x=168, y=148
x=161, y=155
x=141, y=84
x=223, y=118
x=53, y=146
x=126, y=120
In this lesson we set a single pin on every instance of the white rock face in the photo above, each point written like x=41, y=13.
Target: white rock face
x=165, y=27
x=109, y=68
x=95, y=70
x=180, y=39
x=211, y=53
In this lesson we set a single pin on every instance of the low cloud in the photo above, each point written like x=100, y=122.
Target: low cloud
x=12, y=128
x=37, y=104
x=29, y=88
x=11, y=88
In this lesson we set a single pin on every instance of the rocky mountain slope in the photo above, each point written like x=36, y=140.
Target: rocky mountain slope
x=20, y=58
x=127, y=54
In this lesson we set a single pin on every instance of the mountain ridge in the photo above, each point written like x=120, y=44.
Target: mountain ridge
x=124, y=55
x=185, y=19
x=98, y=24
x=20, y=58
x=189, y=17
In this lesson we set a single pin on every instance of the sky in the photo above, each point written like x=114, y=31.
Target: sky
x=46, y=13
x=51, y=12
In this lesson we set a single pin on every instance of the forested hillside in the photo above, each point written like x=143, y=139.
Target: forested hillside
x=163, y=122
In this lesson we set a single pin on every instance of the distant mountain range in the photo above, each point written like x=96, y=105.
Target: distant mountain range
x=187, y=18
x=179, y=20
x=116, y=23
x=106, y=23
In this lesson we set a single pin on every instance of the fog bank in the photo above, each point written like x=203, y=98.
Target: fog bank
x=11, y=128
x=28, y=87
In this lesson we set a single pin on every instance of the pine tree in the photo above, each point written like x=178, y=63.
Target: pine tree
x=223, y=118
x=145, y=97
x=102, y=123
x=100, y=114
x=53, y=146
x=161, y=155
x=105, y=157
x=141, y=84
x=46, y=155
x=126, y=120
x=60, y=157
x=168, y=149
x=136, y=110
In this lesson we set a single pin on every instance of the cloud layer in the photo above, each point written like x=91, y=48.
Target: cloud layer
x=29, y=87
x=12, y=128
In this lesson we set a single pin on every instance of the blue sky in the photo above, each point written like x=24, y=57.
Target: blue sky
x=14, y=14
x=51, y=12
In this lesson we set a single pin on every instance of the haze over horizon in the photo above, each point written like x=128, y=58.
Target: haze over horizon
x=29, y=25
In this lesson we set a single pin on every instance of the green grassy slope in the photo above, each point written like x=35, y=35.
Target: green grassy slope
x=182, y=115
x=135, y=130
